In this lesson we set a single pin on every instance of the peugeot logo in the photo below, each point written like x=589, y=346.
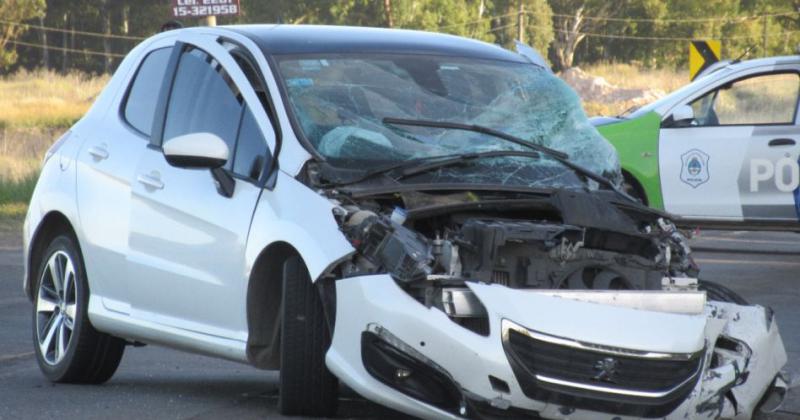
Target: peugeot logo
x=606, y=369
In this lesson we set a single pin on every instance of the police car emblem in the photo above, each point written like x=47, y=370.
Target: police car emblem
x=695, y=168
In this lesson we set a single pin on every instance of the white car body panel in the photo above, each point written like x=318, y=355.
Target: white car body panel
x=298, y=216
x=726, y=148
x=108, y=180
x=470, y=358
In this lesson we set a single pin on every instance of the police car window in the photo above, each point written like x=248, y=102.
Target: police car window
x=204, y=99
x=764, y=99
x=140, y=103
x=251, y=148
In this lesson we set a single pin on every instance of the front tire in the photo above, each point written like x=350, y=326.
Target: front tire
x=307, y=387
x=717, y=292
x=68, y=348
x=632, y=188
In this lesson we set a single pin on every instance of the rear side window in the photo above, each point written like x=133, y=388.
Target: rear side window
x=203, y=99
x=140, y=104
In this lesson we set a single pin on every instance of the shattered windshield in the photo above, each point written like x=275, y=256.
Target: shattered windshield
x=340, y=103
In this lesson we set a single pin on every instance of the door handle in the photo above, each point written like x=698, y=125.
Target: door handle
x=150, y=181
x=781, y=142
x=98, y=152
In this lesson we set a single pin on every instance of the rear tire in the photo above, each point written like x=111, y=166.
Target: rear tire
x=68, y=348
x=717, y=292
x=307, y=387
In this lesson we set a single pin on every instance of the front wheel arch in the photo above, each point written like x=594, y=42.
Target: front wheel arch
x=264, y=292
x=636, y=188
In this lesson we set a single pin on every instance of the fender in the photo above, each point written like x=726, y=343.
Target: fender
x=295, y=214
x=55, y=192
x=636, y=142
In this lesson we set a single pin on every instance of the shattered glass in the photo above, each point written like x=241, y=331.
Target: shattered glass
x=340, y=102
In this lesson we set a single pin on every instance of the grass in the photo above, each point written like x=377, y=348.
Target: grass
x=35, y=109
x=46, y=99
x=628, y=76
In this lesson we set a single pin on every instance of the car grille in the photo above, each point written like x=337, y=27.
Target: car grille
x=600, y=378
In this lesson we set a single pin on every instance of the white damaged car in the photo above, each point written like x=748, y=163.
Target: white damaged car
x=428, y=219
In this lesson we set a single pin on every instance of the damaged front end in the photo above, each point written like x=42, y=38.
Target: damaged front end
x=567, y=304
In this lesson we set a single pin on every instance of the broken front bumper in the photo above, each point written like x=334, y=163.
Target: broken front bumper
x=551, y=356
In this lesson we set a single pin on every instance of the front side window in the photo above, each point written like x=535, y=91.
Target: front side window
x=340, y=102
x=203, y=99
x=763, y=99
x=140, y=104
x=251, y=148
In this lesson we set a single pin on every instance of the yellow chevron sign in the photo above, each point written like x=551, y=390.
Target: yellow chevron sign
x=703, y=54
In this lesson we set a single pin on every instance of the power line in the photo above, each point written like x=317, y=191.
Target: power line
x=479, y=20
x=680, y=20
x=669, y=38
x=497, y=28
x=70, y=50
x=71, y=31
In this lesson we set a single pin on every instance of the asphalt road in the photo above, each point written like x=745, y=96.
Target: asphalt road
x=155, y=382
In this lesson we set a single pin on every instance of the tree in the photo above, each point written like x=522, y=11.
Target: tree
x=571, y=21
x=15, y=12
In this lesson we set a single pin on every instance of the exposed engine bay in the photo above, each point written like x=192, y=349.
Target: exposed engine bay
x=559, y=243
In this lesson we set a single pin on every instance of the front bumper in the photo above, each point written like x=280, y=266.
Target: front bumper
x=463, y=374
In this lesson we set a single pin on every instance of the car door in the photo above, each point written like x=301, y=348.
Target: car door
x=105, y=166
x=187, y=240
x=737, y=160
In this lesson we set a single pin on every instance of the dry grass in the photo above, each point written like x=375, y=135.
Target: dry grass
x=46, y=99
x=21, y=152
x=35, y=108
x=629, y=76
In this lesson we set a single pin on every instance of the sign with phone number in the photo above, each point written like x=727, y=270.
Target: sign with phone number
x=203, y=8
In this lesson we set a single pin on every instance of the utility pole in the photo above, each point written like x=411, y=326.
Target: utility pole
x=521, y=22
x=211, y=20
x=764, y=37
x=105, y=15
x=45, y=50
x=65, y=44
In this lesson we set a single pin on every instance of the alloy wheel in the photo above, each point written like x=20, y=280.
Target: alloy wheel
x=56, y=306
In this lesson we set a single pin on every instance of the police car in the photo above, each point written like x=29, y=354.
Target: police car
x=722, y=150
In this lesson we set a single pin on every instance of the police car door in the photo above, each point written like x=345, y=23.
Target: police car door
x=736, y=158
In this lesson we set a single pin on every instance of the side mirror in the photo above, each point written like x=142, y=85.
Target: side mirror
x=683, y=116
x=196, y=150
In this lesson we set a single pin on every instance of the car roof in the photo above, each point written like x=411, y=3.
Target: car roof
x=766, y=61
x=310, y=39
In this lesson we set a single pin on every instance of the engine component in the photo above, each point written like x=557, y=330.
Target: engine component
x=547, y=255
x=446, y=256
x=679, y=284
x=390, y=246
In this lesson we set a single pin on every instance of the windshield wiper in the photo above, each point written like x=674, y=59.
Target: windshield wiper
x=561, y=157
x=431, y=163
x=477, y=129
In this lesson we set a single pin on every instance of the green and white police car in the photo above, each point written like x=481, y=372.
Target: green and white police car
x=722, y=150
